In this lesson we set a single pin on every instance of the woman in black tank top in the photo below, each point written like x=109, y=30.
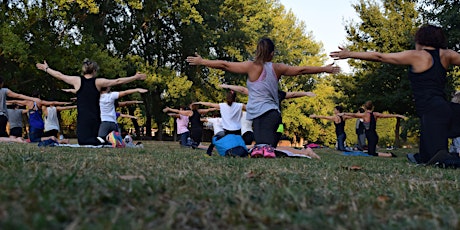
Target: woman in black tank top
x=370, y=124
x=428, y=66
x=196, y=125
x=339, y=123
x=87, y=88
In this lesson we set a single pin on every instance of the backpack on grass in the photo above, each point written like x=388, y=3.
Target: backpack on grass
x=230, y=145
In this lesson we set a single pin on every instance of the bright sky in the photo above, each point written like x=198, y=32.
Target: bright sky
x=326, y=20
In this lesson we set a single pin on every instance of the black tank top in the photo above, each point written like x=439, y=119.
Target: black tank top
x=88, y=100
x=340, y=127
x=195, y=122
x=372, y=122
x=428, y=87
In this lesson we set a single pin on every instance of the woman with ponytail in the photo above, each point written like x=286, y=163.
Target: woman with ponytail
x=88, y=88
x=262, y=83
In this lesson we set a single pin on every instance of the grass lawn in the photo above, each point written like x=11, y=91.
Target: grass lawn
x=163, y=186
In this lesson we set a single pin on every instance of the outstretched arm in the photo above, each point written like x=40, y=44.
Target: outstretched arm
x=71, y=80
x=382, y=115
x=208, y=104
x=286, y=70
x=454, y=57
x=22, y=96
x=18, y=102
x=54, y=103
x=126, y=103
x=128, y=116
x=330, y=118
x=353, y=115
x=74, y=91
x=299, y=94
x=236, y=88
x=60, y=108
x=203, y=111
x=103, y=82
x=175, y=115
x=401, y=58
x=131, y=91
x=182, y=112
x=234, y=67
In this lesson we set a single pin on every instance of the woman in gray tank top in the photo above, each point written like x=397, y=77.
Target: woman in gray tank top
x=262, y=83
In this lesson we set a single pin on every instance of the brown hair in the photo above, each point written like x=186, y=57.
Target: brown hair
x=264, y=51
x=89, y=67
x=368, y=105
x=231, y=97
x=429, y=35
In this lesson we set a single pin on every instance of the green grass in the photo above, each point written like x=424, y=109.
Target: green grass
x=164, y=186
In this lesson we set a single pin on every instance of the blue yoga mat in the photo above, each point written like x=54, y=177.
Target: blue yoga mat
x=356, y=153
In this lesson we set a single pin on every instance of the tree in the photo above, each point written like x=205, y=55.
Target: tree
x=445, y=14
x=384, y=28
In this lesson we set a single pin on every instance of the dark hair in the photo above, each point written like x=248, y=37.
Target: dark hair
x=89, y=67
x=361, y=110
x=35, y=93
x=429, y=35
x=339, y=108
x=231, y=97
x=368, y=105
x=194, y=106
x=265, y=48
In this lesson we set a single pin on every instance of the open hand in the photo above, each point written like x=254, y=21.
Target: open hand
x=343, y=53
x=194, y=60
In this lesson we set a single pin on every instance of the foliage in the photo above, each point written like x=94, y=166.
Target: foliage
x=385, y=27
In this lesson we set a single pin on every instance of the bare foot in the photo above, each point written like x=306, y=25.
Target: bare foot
x=309, y=152
x=64, y=141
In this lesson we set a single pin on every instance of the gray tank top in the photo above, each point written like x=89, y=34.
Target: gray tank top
x=3, y=108
x=15, y=118
x=263, y=93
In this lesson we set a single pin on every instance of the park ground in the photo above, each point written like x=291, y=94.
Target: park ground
x=164, y=186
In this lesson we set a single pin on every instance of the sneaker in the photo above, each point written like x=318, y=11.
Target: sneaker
x=115, y=139
x=257, y=151
x=411, y=158
x=269, y=152
x=112, y=139
x=449, y=163
x=101, y=140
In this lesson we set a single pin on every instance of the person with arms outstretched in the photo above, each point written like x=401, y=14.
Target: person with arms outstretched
x=370, y=124
x=262, y=83
x=428, y=76
x=339, y=123
x=88, y=89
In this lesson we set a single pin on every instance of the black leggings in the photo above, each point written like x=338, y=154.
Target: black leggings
x=87, y=132
x=372, y=140
x=196, y=135
x=265, y=127
x=436, y=126
x=3, y=121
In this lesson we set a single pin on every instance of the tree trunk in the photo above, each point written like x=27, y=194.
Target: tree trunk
x=148, y=125
x=397, y=142
x=160, y=131
x=174, y=130
x=131, y=110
